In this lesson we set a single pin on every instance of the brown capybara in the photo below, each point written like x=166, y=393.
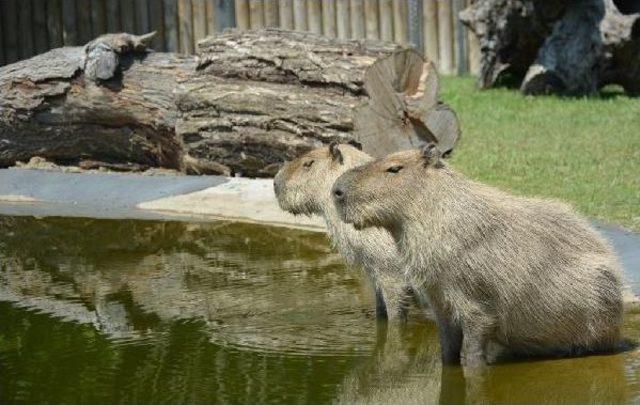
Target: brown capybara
x=303, y=186
x=528, y=274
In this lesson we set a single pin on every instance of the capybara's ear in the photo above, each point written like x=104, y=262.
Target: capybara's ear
x=431, y=155
x=335, y=152
x=355, y=144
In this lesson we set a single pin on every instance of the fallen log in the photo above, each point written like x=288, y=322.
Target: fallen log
x=247, y=102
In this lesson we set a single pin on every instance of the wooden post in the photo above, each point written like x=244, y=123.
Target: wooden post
x=127, y=16
x=342, y=19
x=314, y=16
x=2, y=60
x=142, y=16
x=415, y=24
x=371, y=19
x=156, y=23
x=199, y=19
x=225, y=14
x=329, y=18
x=69, y=19
x=400, y=21
x=98, y=18
x=25, y=40
x=285, y=8
x=474, y=50
x=462, y=61
x=445, y=37
x=113, y=16
x=386, y=20
x=242, y=14
x=211, y=16
x=300, y=15
x=10, y=24
x=40, y=40
x=171, y=31
x=185, y=26
x=54, y=24
x=357, y=19
x=271, y=13
x=83, y=9
x=256, y=14
x=430, y=18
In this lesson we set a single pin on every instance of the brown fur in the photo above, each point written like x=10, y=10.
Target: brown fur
x=528, y=274
x=303, y=186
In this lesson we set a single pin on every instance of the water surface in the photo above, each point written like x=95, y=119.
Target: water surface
x=105, y=311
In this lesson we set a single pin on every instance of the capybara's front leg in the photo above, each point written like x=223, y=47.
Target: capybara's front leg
x=474, y=341
x=396, y=300
x=450, y=336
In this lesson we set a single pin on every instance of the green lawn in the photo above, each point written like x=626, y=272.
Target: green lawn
x=584, y=151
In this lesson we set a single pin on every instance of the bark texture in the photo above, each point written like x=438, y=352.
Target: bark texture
x=572, y=47
x=247, y=102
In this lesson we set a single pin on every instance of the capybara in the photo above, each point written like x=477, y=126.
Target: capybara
x=528, y=274
x=303, y=186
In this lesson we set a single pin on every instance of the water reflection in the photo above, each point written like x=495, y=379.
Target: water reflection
x=164, y=312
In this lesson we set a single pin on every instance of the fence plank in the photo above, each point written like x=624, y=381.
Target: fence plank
x=54, y=23
x=156, y=23
x=242, y=14
x=386, y=20
x=211, y=16
x=98, y=18
x=461, y=45
x=415, y=24
x=474, y=50
x=271, y=13
x=357, y=18
x=400, y=21
x=83, y=10
x=10, y=23
x=300, y=15
x=40, y=36
x=430, y=19
x=343, y=20
x=225, y=14
x=171, y=31
x=371, y=19
x=199, y=9
x=329, y=18
x=185, y=26
x=2, y=45
x=256, y=14
x=314, y=16
x=69, y=20
x=128, y=16
x=445, y=37
x=25, y=40
x=142, y=16
x=285, y=9
x=113, y=16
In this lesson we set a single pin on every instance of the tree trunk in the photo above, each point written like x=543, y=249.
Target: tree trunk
x=246, y=103
x=570, y=47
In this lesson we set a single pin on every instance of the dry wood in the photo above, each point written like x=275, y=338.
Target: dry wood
x=171, y=25
x=113, y=15
x=127, y=16
x=40, y=40
x=185, y=26
x=371, y=19
x=400, y=21
x=98, y=18
x=210, y=10
x=83, y=9
x=242, y=14
x=343, y=25
x=314, y=16
x=2, y=60
x=156, y=23
x=54, y=24
x=142, y=16
x=248, y=101
x=329, y=18
x=199, y=9
x=25, y=39
x=69, y=19
x=430, y=18
x=285, y=9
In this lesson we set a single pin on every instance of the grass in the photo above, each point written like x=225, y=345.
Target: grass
x=585, y=151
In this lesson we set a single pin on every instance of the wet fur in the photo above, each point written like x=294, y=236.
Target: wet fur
x=305, y=188
x=527, y=274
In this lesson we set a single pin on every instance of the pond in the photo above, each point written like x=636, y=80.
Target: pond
x=124, y=311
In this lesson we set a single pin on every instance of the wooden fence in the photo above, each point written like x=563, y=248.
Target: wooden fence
x=30, y=27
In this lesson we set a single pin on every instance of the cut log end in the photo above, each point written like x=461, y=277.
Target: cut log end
x=403, y=111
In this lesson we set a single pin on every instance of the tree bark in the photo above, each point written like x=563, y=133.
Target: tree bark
x=245, y=104
x=572, y=47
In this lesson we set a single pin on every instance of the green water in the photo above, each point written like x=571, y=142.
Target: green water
x=102, y=311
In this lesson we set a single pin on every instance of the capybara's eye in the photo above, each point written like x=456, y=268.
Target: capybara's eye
x=308, y=163
x=395, y=169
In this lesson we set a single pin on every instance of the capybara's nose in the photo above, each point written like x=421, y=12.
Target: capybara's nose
x=338, y=194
